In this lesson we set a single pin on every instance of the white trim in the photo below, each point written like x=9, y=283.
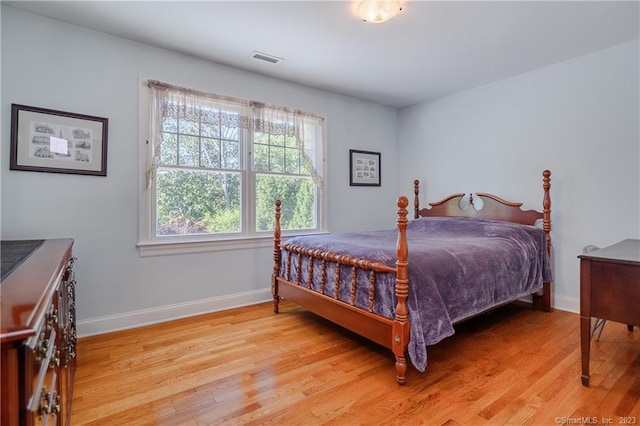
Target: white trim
x=149, y=244
x=135, y=319
x=565, y=303
x=161, y=314
x=205, y=246
x=561, y=303
x=184, y=247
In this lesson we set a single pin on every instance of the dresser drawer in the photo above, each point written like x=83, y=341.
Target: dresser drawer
x=38, y=338
x=42, y=358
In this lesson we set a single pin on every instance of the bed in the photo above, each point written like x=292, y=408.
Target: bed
x=405, y=288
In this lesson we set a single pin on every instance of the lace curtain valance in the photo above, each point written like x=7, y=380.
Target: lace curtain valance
x=169, y=101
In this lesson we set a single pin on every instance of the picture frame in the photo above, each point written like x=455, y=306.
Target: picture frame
x=364, y=168
x=46, y=140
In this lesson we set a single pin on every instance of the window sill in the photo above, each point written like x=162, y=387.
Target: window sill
x=166, y=248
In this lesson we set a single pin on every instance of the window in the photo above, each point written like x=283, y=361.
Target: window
x=216, y=165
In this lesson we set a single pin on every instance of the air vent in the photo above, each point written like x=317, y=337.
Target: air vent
x=265, y=57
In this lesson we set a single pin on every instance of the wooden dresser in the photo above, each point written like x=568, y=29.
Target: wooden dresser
x=38, y=332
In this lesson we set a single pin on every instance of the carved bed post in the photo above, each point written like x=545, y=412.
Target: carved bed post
x=276, y=259
x=416, y=200
x=546, y=226
x=544, y=302
x=546, y=205
x=401, y=326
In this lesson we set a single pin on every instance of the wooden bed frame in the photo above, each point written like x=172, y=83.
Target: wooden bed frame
x=394, y=333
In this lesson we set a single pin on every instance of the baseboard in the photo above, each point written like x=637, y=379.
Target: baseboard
x=107, y=324
x=564, y=303
x=161, y=314
x=561, y=303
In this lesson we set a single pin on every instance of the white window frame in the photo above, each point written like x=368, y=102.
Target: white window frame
x=149, y=244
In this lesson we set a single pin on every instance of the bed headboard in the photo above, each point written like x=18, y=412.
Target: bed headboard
x=491, y=207
x=487, y=206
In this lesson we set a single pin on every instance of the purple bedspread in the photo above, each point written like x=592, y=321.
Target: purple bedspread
x=458, y=267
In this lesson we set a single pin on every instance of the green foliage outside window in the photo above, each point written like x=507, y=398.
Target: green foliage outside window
x=298, y=202
x=193, y=202
x=199, y=182
x=200, y=203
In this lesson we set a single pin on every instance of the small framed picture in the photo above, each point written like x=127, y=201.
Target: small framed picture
x=364, y=168
x=46, y=140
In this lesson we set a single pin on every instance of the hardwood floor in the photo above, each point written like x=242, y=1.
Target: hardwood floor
x=250, y=366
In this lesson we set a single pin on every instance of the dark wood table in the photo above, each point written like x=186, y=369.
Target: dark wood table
x=609, y=289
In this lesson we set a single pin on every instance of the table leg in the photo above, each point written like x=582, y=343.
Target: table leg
x=585, y=347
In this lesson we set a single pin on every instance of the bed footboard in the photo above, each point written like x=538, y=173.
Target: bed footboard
x=392, y=333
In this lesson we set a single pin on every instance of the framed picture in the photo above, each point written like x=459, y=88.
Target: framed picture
x=45, y=140
x=364, y=168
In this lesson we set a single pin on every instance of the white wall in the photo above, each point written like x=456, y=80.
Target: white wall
x=579, y=119
x=49, y=64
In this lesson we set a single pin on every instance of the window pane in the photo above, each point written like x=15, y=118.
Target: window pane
x=261, y=158
x=210, y=130
x=276, y=160
x=298, y=210
x=188, y=151
x=230, y=155
x=169, y=149
x=291, y=141
x=189, y=127
x=209, y=120
x=194, y=202
x=210, y=153
x=260, y=137
x=292, y=161
x=306, y=168
x=229, y=125
x=170, y=125
x=277, y=140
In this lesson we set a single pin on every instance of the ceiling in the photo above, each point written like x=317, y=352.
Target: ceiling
x=431, y=49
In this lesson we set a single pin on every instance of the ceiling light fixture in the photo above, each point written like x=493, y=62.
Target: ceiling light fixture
x=378, y=11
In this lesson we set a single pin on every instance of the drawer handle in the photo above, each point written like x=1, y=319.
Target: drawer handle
x=43, y=405
x=55, y=406
x=52, y=316
x=49, y=403
x=55, y=361
x=40, y=351
x=71, y=346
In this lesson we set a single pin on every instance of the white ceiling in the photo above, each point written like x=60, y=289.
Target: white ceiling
x=433, y=48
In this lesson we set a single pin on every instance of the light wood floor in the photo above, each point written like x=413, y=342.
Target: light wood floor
x=250, y=366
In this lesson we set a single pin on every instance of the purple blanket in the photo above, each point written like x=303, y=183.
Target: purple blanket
x=458, y=267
